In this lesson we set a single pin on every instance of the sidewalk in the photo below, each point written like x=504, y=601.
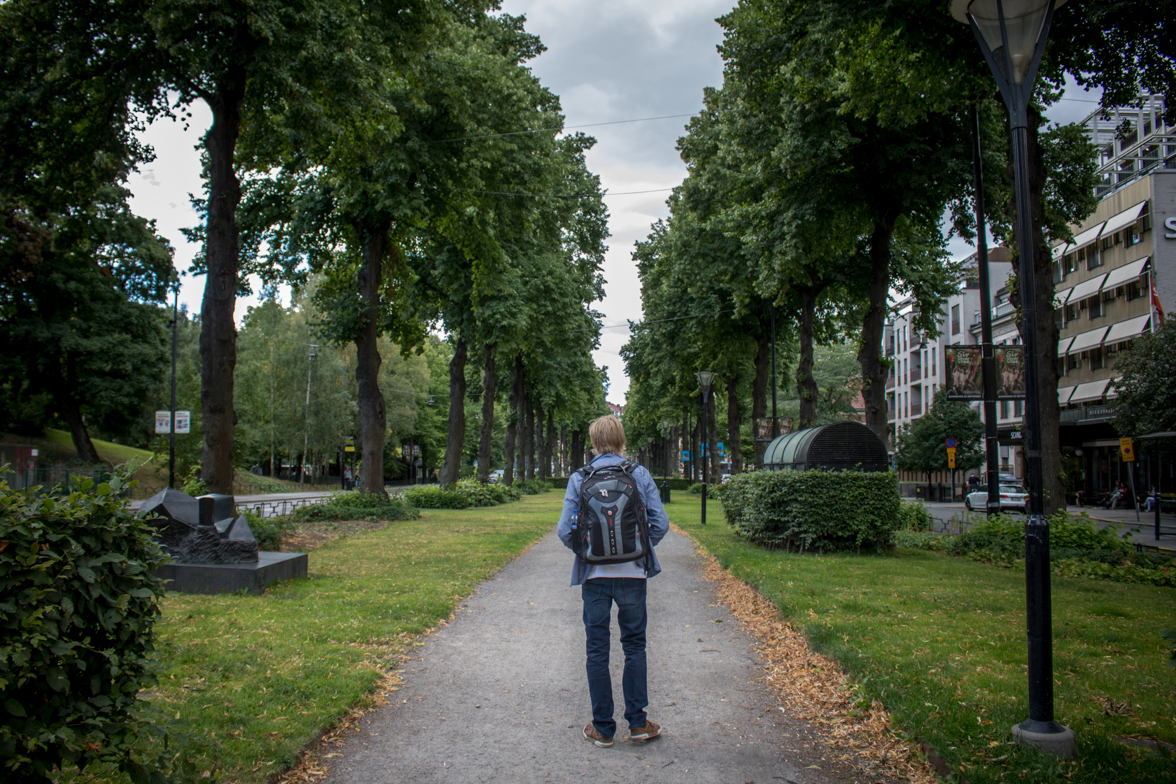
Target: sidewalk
x=500, y=695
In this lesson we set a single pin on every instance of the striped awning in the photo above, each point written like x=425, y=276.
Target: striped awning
x=1091, y=390
x=1087, y=288
x=1125, y=274
x=1064, y=395
x=1088, y=340
x=1124, y=219
x=1060, y=250
x=1064, y=346
x=1060, y=297
x=1112, y=390
x=1088, y=236
x=1125, y=330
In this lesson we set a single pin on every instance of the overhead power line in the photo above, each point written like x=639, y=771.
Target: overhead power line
x=557, y=130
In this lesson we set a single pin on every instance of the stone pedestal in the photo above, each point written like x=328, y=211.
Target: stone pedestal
x=227, y=578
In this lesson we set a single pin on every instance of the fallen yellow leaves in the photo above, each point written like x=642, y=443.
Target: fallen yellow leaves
x=814, y=688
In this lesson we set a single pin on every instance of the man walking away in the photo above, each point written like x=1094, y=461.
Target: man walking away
x=624, y=583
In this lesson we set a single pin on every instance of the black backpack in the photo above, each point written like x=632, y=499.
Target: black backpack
x=611, y=526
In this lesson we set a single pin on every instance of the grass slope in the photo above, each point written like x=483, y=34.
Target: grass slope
x=258, y=677
x=941, y=642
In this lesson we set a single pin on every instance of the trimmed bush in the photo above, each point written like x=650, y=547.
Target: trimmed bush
x=78, y=605
x=814, y=510
x=695, y=489
x=533, y=487
x=268, y=531
x=466, y=494
x=353, y=505
x=913, y=516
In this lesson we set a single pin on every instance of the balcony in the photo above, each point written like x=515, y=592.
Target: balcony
x=1089, y=413
x=890, y=382
x=916, y=373
x=1003, y=309
x=916, y=409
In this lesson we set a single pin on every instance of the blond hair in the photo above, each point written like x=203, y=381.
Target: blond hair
x=607, y=435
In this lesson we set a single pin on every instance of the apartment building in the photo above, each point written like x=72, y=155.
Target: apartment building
x=917, y=371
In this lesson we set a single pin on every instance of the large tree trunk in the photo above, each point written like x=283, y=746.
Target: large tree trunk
x=455, y=443
x=540, y=443
x=563, y=450
x=549, y=445
x=806, y=386
x=528, y=434
x=759, y=390
x=577, y=456
x=516, y=418
x=1046, y=337
x=489, y=387
x=373, y=417
x=734, y=423
x=67, y=406
x=870, y=353
x=218, y=330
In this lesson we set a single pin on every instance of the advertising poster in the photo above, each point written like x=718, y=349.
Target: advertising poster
x=1010, y=372
x=962, y=367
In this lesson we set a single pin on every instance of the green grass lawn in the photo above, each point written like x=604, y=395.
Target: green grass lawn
x=258, y=677
x=941, y=642
x=114, y=453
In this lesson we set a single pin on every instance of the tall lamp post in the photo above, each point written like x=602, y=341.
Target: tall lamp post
x=705, y=378
x=1012, y=36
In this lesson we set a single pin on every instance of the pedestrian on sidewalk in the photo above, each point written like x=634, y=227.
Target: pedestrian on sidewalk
x=623, y=583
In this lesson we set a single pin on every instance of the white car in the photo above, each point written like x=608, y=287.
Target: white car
x=1011, y=497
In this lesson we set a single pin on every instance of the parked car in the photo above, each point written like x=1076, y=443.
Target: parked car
x=496, y=476
x=1011, y=497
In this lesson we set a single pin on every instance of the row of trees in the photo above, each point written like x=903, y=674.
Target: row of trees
x=820, y=174
x=400, y=155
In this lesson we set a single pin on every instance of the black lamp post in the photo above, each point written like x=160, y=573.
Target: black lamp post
x=705, y=378
x=1012, y=35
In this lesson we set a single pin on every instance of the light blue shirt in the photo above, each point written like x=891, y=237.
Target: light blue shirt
x=655, y=514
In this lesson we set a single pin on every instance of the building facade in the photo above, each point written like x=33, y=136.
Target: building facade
x=1114, y=282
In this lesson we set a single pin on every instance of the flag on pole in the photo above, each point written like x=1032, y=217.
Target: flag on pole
x=1155, y=298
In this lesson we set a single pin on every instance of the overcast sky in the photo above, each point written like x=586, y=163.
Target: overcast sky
x=610, y=61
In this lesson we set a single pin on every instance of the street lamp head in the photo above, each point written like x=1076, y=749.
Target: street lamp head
x=705, y=378
x=1023, y=21
x=665, y=425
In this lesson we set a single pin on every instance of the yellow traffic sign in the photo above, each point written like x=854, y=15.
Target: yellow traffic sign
x=951, y=458
x=1126, y=450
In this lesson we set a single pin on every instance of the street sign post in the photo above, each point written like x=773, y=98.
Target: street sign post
x=1127, y=454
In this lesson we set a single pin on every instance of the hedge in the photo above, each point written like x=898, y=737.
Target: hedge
x=78, y=605
x=352, y=505
x=814, y=510
x=465, y=494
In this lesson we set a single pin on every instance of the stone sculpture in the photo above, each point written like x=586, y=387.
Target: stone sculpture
x=203, y=530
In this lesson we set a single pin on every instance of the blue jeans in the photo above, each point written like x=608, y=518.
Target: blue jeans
x=599, y=595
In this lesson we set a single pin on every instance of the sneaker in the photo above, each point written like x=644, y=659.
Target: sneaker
x=591, y=733
x=647, y=732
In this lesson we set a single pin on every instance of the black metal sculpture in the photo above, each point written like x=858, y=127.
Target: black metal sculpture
x=201, y=530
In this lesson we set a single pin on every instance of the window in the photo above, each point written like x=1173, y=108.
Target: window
x=1109, y=295
x=1136, y=289
x=1018, y=407
x=1071, y=262
x=1093, y=259
x=1095, y=308
x=1061, y=367
x=1109, y=240
x=1097, y=361
x=1072, y=311
x=1133, y=235
x=955, y=319
x=1073, y=361
x=1004, y=409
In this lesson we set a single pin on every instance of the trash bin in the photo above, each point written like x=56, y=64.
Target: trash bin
x=664, y=492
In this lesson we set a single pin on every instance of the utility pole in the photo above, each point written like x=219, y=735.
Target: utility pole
x=171, y=459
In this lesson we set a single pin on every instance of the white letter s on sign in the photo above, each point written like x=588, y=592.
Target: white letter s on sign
x=1170, y=224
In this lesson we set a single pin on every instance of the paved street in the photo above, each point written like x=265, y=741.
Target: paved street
x=1142, y=532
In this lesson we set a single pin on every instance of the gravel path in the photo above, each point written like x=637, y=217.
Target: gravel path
x=500, y=695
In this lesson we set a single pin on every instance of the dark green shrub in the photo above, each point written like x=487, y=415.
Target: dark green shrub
x=533, y=486
x=268, y=531
x=78, y=604
x=919, y=540
x=354, y=505
x=467, y=493
x=814, y=510
x=695, y=489
x=913, y=516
